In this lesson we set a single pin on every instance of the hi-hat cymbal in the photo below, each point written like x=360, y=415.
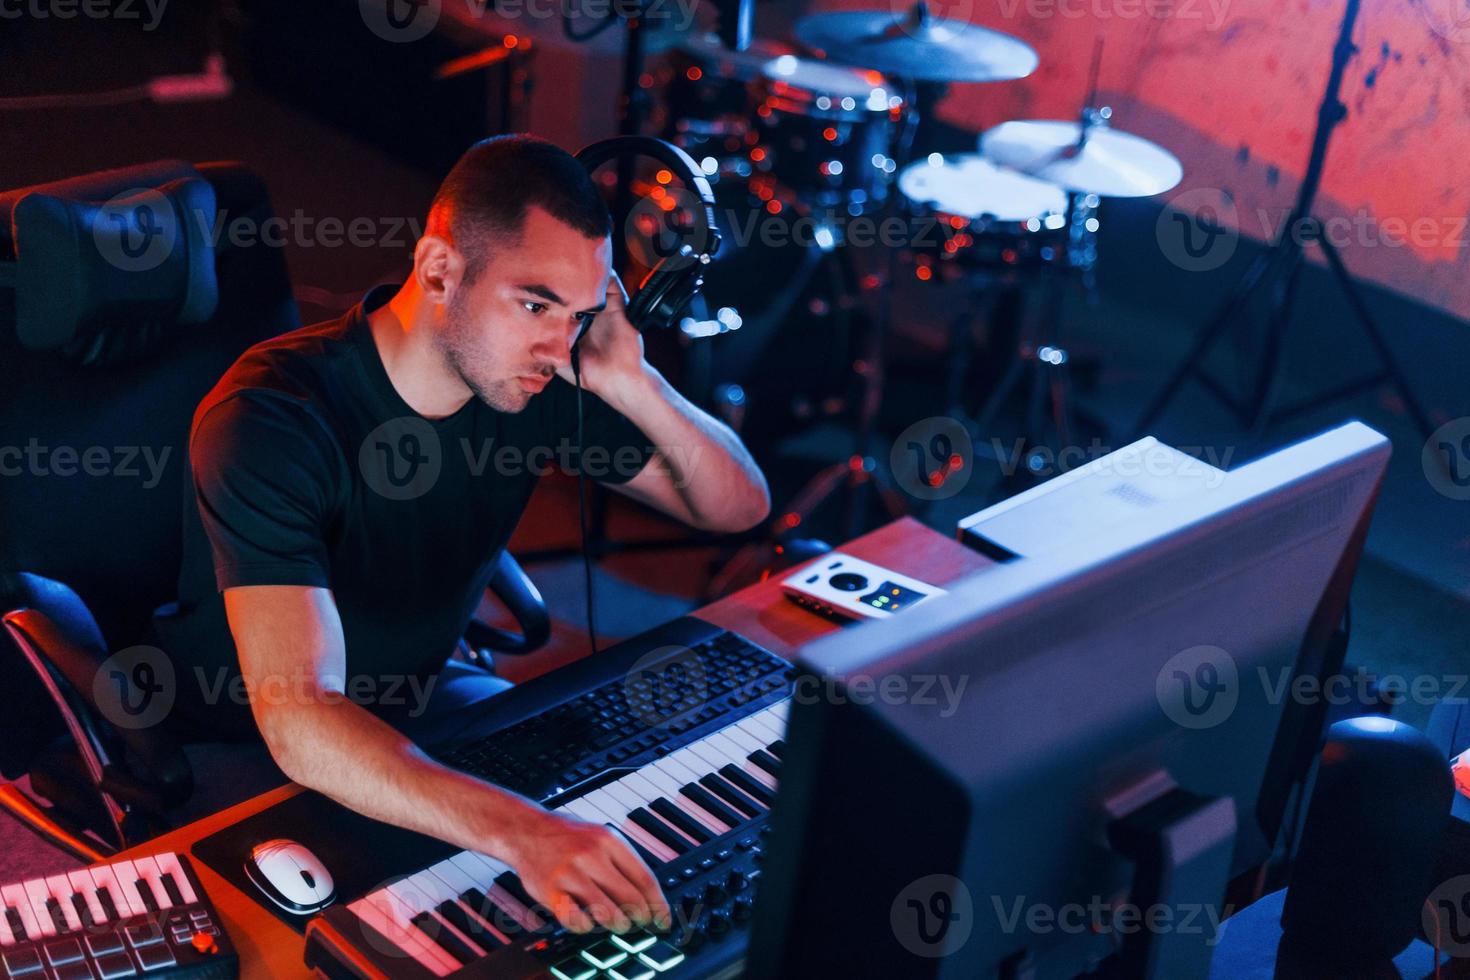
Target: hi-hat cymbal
x=1111, y=163
x=917, y=45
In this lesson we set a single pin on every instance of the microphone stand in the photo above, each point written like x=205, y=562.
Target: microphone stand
x=1285, y=259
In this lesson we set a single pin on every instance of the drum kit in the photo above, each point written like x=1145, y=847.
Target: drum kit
x=824, y=127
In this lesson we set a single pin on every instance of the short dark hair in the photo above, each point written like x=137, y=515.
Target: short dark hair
x=485, y=197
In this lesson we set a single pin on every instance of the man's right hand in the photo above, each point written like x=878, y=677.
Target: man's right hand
x=583, y=872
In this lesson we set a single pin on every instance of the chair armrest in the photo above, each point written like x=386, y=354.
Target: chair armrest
x=514, y=588
x=65, y=650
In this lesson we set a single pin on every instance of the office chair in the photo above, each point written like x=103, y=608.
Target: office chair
x=106, y=347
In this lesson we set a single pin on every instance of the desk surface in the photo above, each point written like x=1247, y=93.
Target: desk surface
x=270, y=949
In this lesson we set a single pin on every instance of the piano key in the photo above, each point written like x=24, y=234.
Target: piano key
x=738, y=756
x=152, y=882
x=644, y=854
x=665, y=834
x=85, y=890
x=608, y=803
x=653, y=845
x=748, y=784
x=681, y=820
x=170, y=865
x=14, y=924
x=496, y=913
x=61, y=892
x=763, y=726
x=767, y=762
x=744, y=740
x=7, y=935
x=704, y=799
x=109, y=893
x=379, y=911
x=37, y=894
x=125, y=875
x=731, y=794
x=777, y=748
x=16, y=898
x=447, y=938
x=511, y=883
x=58, y=918
x=470, y=925
x=477, y=867
x=654, y=784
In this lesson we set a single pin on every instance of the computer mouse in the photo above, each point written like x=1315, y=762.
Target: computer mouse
x=290, y=876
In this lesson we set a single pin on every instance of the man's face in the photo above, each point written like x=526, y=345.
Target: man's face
x=512, y=328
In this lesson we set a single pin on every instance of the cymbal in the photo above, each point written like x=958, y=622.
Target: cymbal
x=743, y=65
x=1111, y=163
x=917, y=45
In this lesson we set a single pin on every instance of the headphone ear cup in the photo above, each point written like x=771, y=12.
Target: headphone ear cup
x=666, y=290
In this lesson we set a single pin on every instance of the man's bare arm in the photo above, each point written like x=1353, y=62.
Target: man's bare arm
x=290, y=643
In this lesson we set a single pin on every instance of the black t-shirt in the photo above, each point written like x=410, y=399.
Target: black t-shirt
x=309, y=469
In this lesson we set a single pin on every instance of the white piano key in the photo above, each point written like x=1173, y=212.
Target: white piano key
x=669, y=789
x=83, y=885
x=625, y=797
x=60, y=887
x=380, y=911
x=15, y=897
x=728, y=745
x=763, y=726
x=105, y=877
x=436, y=891
x=780, y=711
x=152, y=879
x=679, y=770
x=7, y=938
x=169, y=864
x=744, y=739
x=712, y=757
x=476, y=868
x=36, y=893
x=581, y=808
x=451, y=874
x=126, y=874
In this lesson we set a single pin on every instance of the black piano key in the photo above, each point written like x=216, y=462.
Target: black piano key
x=660, y=830
x=443, y=938
x=481, y=904
x=465, y=923
x=766, y=761
x=778, y=748
x=650, y=859
x=722, y=788
x=58, y=917
x=512, y=884
x=16, y=923
x=671, y=812
x=702, y=798
x=172, y=888
x=146, y=892
x=748, y=785
x=84, y=911
x=109, y=908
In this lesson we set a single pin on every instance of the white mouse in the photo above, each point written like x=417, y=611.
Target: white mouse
x=290, y=876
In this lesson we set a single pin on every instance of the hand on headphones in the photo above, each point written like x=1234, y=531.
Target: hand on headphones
x=611, y=350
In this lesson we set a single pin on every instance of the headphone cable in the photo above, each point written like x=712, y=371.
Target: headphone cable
x=582, y=500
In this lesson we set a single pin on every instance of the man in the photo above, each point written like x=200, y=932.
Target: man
x=355, y=481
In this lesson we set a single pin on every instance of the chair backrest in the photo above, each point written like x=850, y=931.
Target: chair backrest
x=93, y=426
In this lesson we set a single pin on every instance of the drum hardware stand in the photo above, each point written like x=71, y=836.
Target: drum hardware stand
x=1279, y=269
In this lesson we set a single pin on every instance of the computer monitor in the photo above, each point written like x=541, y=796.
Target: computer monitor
x=1056, y=765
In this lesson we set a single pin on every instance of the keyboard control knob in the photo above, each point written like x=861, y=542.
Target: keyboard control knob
x=689, y=905
x=719, y=923
x=715, y=894
x=743, y=910
x=735, y=882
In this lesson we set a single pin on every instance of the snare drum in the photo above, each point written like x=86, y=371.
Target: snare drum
x=985, y=217
x=824, y=133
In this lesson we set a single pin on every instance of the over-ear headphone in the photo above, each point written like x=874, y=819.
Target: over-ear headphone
x=677, y=278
